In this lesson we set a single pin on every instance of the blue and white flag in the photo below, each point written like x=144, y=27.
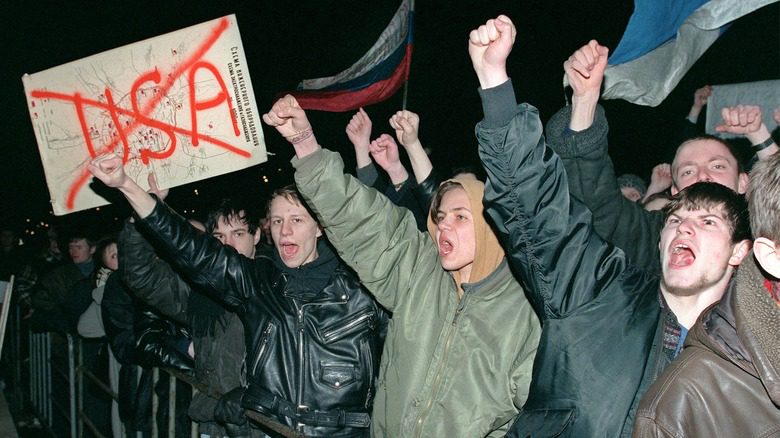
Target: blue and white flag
x=663, y=39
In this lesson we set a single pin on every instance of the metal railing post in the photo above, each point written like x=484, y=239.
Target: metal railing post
x=74, y=391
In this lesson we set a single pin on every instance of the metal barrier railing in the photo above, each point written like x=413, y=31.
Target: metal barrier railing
x=45, y=366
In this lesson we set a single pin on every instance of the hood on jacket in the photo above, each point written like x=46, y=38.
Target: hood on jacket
x=488, y=252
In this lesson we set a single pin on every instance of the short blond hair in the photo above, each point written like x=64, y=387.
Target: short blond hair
x=764, y=198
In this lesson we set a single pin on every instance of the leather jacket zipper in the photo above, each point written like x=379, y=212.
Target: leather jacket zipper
x=269, y=328
x=327, y=336
x=301, y=365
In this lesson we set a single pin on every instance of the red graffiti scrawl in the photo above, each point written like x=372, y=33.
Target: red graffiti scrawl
x=147, y=93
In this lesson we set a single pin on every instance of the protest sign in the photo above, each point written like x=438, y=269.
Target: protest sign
x=180, y=106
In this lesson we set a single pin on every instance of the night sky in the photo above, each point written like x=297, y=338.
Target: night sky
x=287, y=41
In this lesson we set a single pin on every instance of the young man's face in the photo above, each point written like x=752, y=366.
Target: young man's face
x=455, y=235
x=235, y=233
x=696, y=251
x=293, y=231
x=80, y=251
x=707, y=160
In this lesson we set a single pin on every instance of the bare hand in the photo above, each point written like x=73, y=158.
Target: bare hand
x=406, y=125
x=660, y=178
x=740, y=119
x=160, y=193
x=359, y=130
x=109, y=169
x=701, y=95
x=776, y=115
x=384, y=151
x=489, y=47
x=287, y=117
x=585, y=69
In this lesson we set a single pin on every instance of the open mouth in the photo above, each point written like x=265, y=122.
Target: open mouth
x=288, y=250
x=445, y=247
x=682, y=255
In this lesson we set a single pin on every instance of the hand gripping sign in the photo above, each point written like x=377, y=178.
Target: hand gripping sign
x=179, y=105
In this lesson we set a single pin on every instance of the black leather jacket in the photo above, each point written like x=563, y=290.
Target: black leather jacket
x=313, y=335
x=218, y=342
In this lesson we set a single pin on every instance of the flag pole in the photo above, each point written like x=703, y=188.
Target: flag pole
x=408, y=67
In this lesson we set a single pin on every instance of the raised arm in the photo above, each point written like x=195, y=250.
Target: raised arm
x=585, y=71
x=201, y=258
x=578, y=134
x=110, y=170
x=747, y=120
x=660, y=180
x=359, y=134
x=384, y=151
x=700, y=98
x=407, y=126
x=547, y=237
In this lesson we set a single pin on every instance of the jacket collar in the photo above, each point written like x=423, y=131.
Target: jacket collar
x=308, y=281
x=758, y=325
x=491, y=284
x=744, y=327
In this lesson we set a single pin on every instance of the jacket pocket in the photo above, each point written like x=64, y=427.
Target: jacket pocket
x=542, y=422
x=357, y=322
x=261, y=350
x=338, y=375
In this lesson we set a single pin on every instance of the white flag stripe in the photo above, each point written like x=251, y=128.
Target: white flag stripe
x=648, y=79
x=393, y=36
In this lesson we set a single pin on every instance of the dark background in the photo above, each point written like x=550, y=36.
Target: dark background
x=286, y=41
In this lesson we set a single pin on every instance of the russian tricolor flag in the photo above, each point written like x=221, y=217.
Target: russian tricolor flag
x=373, y=78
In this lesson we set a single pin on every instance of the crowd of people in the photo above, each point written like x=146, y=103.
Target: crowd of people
x=541, y=296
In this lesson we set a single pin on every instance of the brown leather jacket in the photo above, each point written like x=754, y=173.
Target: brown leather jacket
x=727, y=380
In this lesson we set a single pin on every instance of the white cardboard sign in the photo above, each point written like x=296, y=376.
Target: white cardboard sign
x=180, y=106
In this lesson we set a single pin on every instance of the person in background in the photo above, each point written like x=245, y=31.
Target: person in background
x=217, y=332
x=632, y=187
x=727, y=380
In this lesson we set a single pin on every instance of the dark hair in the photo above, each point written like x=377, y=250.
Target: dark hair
x=446, y=186
x=290, y=193
x=710, y=196
x=478, y=171
x=100, y=248
x=764, y=198
x=230, y=209
x=76, y=236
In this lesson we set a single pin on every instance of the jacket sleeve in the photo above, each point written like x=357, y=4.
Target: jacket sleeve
x=151, y=279
x=160, y=343
x=117, y=308
x=376, y=238
x=424, y=191
x=548, y=237
x=592, y=181
x=405, y=197
x=203, y=261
